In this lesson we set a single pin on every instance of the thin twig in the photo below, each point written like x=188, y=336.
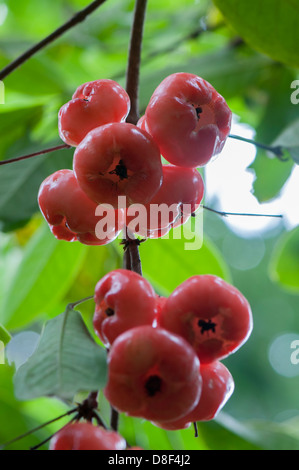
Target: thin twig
x=22, y=436
x=74, y=304
x=30, y=155
x=40, y=444
x=77, y=18
x=114, y=419
x=134, y=60
x=225, y=214
x=277, y=151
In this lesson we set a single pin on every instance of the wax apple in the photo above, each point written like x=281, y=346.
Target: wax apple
x=217, y=387
x=152, y=374
x=123, y=299
x=118, y=159
x=71, y=215
x=189, y=120
x=212, y=315
x=93, y=104
x=179, y=196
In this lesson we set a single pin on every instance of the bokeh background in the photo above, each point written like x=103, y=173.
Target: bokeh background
x=39, y=275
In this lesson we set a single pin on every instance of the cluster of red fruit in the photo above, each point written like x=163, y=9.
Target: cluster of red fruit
x=186, y=121
x=164, y=353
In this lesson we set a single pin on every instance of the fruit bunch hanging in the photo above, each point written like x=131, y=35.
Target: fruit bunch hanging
x=164, y=354
x=186, y=122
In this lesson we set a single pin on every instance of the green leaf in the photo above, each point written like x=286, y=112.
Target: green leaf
x=269, y=26
x=5, y=336
x=278, y=114
x=284, y=264
x=169, y=262
x=15, y=119
x=66, y=361
x=44, y=275
x=289, y=140
x=20, y=182
x=270, y=175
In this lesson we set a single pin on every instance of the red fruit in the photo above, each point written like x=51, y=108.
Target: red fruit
x=152, y=374
x=94, y=104
x=212, y=315
x=86, y=436
x=217, y=388
x=142, y=123
x=179, y=196
x=124, y=299
x=118, y=159
x=188, y=119
x=71, y=215
x=160, y=301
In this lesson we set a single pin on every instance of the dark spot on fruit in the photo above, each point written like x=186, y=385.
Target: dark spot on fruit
x=109, y=312
x=153, y=385
x=120, y=170
x=206, y=326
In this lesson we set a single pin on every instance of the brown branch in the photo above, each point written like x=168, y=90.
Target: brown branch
x=30, y=155
x=77, y=18
x=131, y=252
x=131, y=245
x=134, y=60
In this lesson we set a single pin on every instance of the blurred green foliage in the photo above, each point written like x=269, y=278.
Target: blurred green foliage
x=40, y=276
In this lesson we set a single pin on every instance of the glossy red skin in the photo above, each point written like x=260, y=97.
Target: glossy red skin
x=142, y=123
x=185, y=137
x=132, y=300
x=217, y=387
x=94, y=104
x=71, y=214
x=85, y=436
x=181, y=191
x=203, y=298
x=97, y=157
x=142, y=354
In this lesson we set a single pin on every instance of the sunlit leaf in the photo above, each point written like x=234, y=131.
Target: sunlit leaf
x=46, y=271
x=268, y=26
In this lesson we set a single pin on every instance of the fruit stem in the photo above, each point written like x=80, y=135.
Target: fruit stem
x=278, y=150
x=77, y=18
x=114, y=419
x=225, y=214
x=134, y=60
x=131, y=256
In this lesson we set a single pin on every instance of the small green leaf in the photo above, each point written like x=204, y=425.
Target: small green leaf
x=289, y=140
x=5, y=336
x=20, y=182
x=269, y=26
x=66, y=361
x=284, y=264
x=270, y=175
